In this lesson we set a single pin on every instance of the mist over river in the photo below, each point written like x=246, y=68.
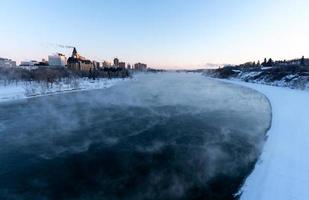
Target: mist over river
x=157, y=136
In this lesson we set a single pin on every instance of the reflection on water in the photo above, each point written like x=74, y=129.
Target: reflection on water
x=159, y=136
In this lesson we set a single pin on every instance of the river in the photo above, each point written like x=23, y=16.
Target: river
x=157, y=136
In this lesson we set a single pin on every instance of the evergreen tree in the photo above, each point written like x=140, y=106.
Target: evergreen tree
x=254, y=64
x=270, y=62
x=258, y=64
x=265, y=62
x=302, y=61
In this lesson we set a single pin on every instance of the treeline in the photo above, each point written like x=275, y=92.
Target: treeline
x=302, y=62
x=289, y=73
x=51, y=75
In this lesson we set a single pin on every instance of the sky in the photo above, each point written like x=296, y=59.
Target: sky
x=161, y=33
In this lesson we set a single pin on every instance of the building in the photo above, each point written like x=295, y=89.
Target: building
x=78, y=63
x=96, y=64
x=116, y=62
x=43, y=63
x=129, y=66
x=28, y=63
x=122, y=65
x=57, y=60
x=106, y=64
x=4, y=62
x=140, y=66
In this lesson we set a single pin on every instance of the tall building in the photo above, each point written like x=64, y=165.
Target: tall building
x=79, y=63
x=106, y=64
x=122, y=65
x=57, y=60
x=140, y=66
x=4, y=62
x=96, y=64
x=116, y=62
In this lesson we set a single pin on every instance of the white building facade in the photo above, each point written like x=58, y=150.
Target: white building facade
x=29, y=64
x=57, y=60
x=8, y=63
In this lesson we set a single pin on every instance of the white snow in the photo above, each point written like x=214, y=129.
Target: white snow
x=237, y=71
x=292, y=81
x=266, y=68
x=283, y=169
x=22, y=90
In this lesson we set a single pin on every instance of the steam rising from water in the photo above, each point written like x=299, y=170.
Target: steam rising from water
x=159, y=136
x=65, y=46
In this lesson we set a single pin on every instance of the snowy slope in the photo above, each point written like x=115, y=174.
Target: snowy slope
x=22, y=90
x=265, y=75
x=294, y=81
x=283, y=170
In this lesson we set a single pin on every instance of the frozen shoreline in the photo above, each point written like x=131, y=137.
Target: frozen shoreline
x=282, y=171
x=24, y=90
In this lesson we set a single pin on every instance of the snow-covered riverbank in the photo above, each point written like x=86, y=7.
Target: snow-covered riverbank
x=265, y=75
x=293, y=81
x=22, y=90
x=283, y=169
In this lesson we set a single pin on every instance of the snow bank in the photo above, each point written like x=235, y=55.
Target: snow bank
x=283, y=170
x=22, y=90
x=294, y=81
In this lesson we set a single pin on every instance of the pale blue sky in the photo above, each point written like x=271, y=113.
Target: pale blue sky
x=162, y=33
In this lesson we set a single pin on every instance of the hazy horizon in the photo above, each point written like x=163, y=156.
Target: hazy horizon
x=163, y=34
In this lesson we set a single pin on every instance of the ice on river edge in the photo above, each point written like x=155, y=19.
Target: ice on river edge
x=23, y=90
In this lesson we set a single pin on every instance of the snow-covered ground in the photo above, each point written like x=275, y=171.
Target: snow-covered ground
x=283, y=169
x=22, y=90
x=294, y=81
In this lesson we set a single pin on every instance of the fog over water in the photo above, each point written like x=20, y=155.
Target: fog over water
x=157, y=136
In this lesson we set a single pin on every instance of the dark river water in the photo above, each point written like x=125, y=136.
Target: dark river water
x=157, y=136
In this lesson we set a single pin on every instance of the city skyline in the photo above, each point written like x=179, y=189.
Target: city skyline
x=163, y=34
